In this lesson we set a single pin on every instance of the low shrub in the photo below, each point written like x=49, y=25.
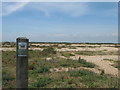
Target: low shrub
x=6, y=77
x=42, y=82
x=69, y=86
x=65, y=65
x=43, y=69
x=80, y=73
x=91, y=84
x=117, y=67
x=67, y=54
x=31, y=67
x=48, y=51
x=91, y=53
x=86, y=64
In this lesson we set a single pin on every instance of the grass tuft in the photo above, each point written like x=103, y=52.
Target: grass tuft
x=86, y=64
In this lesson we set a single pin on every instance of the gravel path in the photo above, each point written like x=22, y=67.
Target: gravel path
x=101, y=63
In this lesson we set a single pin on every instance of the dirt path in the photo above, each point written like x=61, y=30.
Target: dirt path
x=101, y=63
x=63, y=69
x=68, y=49
x=89, y=49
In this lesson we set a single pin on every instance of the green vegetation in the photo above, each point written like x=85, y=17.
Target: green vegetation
x=43, y=70
x=42, y=82
x=80, y=73
x=40, y=75
x=37, y=46
x=92, y=80
x=92, y=53
x=7, y=78
x=69, y=63
x=48, y=51
x=116, y=64
x=86, y=64
x=67, y=54
x=72, y=79
x=8, y=57
x=89, y=46
x=117, y=67
x=109, y=60
x=8, y=44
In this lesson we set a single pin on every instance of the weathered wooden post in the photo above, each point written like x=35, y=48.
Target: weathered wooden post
x=22, y=62
x=118, y=43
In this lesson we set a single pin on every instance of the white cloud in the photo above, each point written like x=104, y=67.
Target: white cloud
x=50, y=8
x=9, y=8
x=71, y=9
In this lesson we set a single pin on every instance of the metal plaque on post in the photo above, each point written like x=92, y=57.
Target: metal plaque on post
x=22, y=49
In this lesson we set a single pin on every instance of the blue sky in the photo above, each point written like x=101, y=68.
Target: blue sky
x=69, y=22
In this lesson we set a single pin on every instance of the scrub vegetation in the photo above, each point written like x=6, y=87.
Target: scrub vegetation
x=49, y=68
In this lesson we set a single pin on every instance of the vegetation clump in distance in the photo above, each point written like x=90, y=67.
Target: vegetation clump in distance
x=48, y=52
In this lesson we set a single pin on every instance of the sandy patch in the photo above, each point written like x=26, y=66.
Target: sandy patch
x=99, y=61
x=67, y=69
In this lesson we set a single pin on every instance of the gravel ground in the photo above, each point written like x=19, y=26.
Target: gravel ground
x=101, y=63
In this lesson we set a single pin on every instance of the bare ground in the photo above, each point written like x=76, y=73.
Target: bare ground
x=101, y=63
x=99, y=60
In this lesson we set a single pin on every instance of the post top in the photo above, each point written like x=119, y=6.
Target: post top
x=22, y=39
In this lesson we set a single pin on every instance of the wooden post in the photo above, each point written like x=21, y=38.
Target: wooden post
x=118, y=43
x=22, y=62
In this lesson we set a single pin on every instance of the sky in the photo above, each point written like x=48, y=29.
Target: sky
x=95, y=22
